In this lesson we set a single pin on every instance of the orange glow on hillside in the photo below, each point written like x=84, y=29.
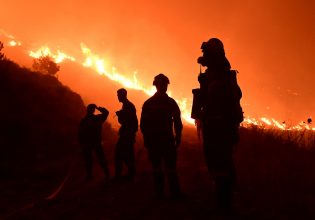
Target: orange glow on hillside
x=11, y=41
x=103, y=67
x=45, y=51
x=271, y=123
x=100, y=65
x=14, y=43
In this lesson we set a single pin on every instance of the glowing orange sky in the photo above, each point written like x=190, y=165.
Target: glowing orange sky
x=270, y=42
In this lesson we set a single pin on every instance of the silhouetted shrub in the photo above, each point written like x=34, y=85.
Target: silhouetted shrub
x=45, y=65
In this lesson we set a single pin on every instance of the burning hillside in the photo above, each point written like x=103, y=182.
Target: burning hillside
x=95, y=62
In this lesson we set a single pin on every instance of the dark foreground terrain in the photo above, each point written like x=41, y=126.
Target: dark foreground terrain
x=273, y=184
x=42, y=176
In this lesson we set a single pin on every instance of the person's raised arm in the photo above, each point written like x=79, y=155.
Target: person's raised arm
x=104, y=113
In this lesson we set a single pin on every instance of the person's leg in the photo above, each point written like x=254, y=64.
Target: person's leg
x=225, y=177
x=118, y=158
x=218, y=156
x=130, y=158
x=87, y=154
x=158, y=176
x=102, y=160
x=170, y=159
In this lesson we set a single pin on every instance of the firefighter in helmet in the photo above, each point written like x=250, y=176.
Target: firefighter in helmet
x=217, y=108
x=161, y=127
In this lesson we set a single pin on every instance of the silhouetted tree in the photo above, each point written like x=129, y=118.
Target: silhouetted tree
x=1, y=54
x=45, y=65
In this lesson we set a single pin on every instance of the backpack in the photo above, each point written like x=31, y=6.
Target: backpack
x=237, y=114
x=233, y=93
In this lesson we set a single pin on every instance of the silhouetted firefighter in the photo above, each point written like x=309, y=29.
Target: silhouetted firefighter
x=160, y=117
x=124, y=152
x=217, y=106
x=90, y=138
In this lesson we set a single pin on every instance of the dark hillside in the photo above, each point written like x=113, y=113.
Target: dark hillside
x=39, y=118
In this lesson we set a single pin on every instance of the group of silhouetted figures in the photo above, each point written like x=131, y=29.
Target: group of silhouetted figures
x=216, y=109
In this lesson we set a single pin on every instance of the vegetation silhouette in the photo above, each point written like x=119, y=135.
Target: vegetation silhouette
x=45, y=64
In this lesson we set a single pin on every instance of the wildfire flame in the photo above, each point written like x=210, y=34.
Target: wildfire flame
x=101, y=66
x=12, y=42
x=273, y=123
x=45, y=51
x=98, y=64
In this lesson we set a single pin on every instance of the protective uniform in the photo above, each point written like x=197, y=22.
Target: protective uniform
x=160, y=117
x=124, y=152
x=220, y=116
x=90, y=138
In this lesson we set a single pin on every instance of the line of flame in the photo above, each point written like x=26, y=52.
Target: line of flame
x=45, y=51
x=273, y=123
x=102, y=67
x=98, y=64
x=12, y=42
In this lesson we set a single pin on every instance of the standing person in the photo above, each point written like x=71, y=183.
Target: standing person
x=217, y=107
x=160, y=117
x=124, y=152
x=90, y=138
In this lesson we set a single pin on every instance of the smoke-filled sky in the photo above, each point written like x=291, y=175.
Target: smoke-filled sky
x=271, y=43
